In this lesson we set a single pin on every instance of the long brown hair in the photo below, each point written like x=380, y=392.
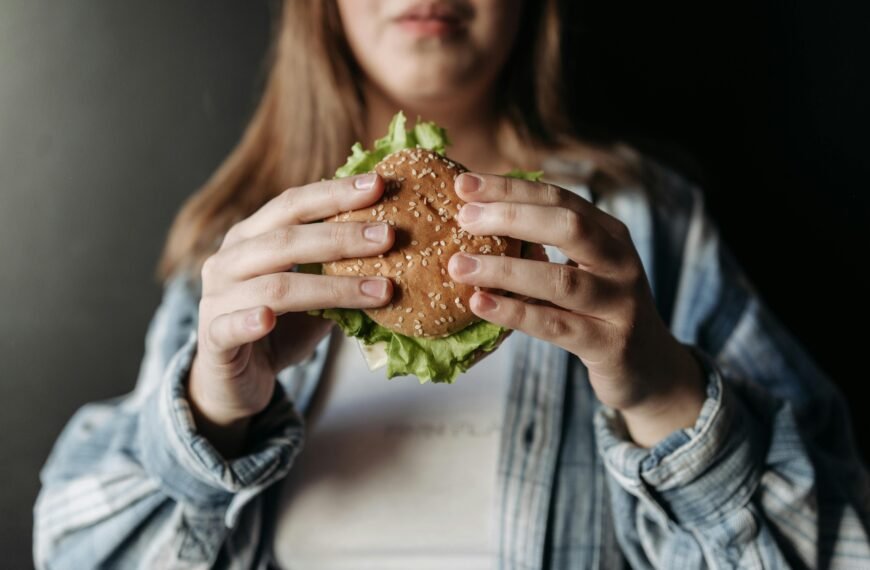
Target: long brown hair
x=312, y=111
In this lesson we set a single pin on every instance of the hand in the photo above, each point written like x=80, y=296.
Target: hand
x=252, y=315
x=598, y=306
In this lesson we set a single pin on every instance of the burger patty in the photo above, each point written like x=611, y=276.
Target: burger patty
x=421, y=205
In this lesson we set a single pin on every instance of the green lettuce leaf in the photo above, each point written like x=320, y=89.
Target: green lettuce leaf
x=430, y=360
x=423, y=135
x=532, y=175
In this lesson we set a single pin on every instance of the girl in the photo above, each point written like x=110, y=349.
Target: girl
x=648, y=410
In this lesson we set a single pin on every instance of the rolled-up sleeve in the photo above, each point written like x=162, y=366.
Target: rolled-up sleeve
x=769, y=475
x=130, y=482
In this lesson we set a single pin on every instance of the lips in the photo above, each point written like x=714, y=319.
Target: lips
x=434, y=18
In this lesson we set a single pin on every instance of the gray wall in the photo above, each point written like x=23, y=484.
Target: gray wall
x=111, y=113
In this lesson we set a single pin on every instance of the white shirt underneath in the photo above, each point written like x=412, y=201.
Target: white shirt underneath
x=395, y=474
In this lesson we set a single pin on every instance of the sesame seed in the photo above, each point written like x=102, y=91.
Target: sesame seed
x=398, y=274
x=442, y=306
x=431, y=295
x=437, y=226
x=449, y=319
x=399, y=263
x=417, y=322
x=439, y=251
x=395, y=209
x=429, y=218
x=408, y=310
x=438, y=296
x=420, y=314
x=414, y=242
x=412, y=203
x=432, y=304
x=456, y=240
x=374, y=212
x=444, y=284
x=425, y=263
x=441, y=243
x=378, y=264
x=401, y=319
x=416, y=214
x=359, y=261
x=380, y=256
x=349, y=268
x=408, y=257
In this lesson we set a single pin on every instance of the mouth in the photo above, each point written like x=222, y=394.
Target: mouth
x=434, y=19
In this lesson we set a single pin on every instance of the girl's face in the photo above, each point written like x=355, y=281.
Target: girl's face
x=421, y=53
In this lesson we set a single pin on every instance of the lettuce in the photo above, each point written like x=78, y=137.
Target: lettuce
x=429, y=359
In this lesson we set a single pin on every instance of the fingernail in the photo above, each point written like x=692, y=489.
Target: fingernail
x=375, y=232
x=374, y=287
x=468, y=183
x=365, y=181
x=252, y=320
x=484, y=302
x=470, y=213
x=462, y=264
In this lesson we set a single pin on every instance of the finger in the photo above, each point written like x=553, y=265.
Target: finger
x=563, y=285
x=309, y=203
x=583, y=336
x=473, y=187
x=580, y=237
x=295, y=292
x=227, y=333
x=281, y=249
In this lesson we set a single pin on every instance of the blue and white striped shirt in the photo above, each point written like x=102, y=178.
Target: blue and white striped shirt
x=767, y=478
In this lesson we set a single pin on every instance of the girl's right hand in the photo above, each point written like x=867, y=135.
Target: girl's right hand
x=252, y=314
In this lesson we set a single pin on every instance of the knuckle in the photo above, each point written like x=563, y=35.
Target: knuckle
x=574, y=225
x=282, y=238
x=209, y=268
x=336, y=290
x=276, y=288
x=340, y=235
x=288, y=199
x=566, y=282
x=621, y=230
x=510, y=213
x=505, y=270
x=553, y=195
x=555, y=326
x=506, y=188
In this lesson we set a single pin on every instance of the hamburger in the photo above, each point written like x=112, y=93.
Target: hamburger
x=427, y=329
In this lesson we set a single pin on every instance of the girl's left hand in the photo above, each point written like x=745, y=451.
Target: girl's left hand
x=599, y=306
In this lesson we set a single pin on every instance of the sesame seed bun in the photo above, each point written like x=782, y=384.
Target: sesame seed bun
x=421, y=205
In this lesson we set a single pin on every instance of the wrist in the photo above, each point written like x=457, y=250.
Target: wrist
x=676, y=407
x=226, y=432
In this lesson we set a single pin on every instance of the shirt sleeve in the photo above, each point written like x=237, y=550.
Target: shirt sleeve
x=769, y=475
x=130, y=482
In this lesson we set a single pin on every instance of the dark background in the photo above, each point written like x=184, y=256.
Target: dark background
x=112, y=113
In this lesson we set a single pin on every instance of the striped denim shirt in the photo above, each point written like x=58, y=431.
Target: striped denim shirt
x=768, y=477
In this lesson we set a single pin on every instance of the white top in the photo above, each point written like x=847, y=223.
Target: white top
x=395, y=474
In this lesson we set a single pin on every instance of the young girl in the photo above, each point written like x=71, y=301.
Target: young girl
x=648, y=409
